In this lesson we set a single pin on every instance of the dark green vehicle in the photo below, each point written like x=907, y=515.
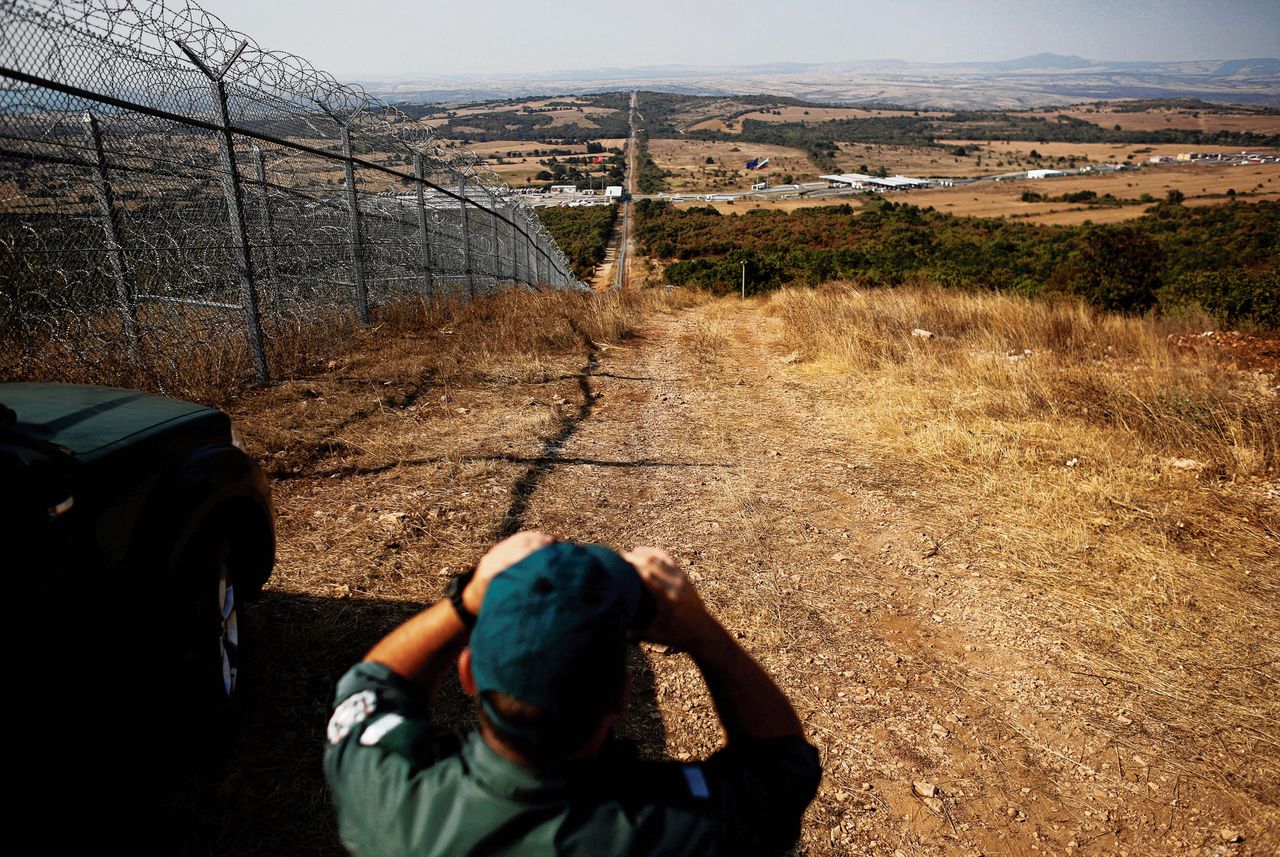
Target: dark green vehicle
x=145, y=518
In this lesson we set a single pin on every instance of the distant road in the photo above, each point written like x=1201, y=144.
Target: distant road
x=624, y=230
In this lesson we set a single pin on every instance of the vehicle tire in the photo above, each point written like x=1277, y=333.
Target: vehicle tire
x=228, y=624
x=213, y=660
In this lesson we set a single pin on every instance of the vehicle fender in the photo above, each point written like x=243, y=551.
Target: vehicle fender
x=209, y=481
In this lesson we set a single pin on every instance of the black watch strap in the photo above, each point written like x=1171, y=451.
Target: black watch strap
x=454, y=594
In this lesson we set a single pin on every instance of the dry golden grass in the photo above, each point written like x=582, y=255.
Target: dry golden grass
x=1066, y=427
x=706, y=338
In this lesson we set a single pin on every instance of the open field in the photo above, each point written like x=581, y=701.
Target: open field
x=515, y=170
x=687, y=160
x=525, y=148
x=567, y=111
x=976, y=561
x=1157, y=119
x=774, y=204
x=791, y=113
x=1103, y=153
x=1202, y=184
x=926, y=161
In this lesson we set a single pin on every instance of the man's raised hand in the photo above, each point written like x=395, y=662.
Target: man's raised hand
x=681, y=619
x=498, y=559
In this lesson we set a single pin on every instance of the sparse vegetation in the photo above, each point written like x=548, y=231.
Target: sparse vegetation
x=649, y=177
x=1173, y=258
x=582, y=233
x=1115, y=474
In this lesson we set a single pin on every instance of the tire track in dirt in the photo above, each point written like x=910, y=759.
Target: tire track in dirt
x=912, y=658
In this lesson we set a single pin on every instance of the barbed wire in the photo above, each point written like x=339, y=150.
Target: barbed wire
x=174, y=198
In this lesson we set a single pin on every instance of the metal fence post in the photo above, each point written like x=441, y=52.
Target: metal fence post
x=424, y=236
x=497, y=239
x=357, y=245
x=515, y=248
x=268, y=231
x=528, y=258
x=125, y=287
x=235, y=205
x=466, y=237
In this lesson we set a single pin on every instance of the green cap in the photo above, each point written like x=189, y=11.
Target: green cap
x=553, y=631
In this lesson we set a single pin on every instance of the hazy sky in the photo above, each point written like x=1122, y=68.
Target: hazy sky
x=399, y=37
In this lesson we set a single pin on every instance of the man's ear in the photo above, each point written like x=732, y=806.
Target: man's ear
x=465, y=677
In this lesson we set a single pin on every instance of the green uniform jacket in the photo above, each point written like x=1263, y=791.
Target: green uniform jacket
x=405, y=787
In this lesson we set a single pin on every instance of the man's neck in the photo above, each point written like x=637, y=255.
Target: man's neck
x=590, y=750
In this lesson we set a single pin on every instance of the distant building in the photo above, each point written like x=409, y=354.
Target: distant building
x=613, y=190
x=858, y=181
x=1042, y=174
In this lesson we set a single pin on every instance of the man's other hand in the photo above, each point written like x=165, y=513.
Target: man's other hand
x=499, y=558
x=681, y=618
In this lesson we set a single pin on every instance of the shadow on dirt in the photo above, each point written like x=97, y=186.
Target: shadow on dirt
x=270, y=797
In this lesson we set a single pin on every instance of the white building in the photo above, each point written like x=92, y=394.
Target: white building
x=858, y=181
x=1041, y=174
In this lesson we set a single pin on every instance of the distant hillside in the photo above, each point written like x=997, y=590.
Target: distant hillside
x=1038, y=80
x=1044, y=60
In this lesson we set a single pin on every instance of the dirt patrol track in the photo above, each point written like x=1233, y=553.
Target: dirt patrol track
x=949, y=717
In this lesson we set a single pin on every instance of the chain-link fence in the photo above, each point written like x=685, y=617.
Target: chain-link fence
x=173, y=196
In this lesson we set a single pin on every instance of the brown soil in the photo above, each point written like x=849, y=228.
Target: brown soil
x=912, y=654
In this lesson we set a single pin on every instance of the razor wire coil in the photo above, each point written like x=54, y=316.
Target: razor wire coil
x=168, y=189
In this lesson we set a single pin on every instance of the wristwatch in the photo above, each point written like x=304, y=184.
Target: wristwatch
x=453, y=592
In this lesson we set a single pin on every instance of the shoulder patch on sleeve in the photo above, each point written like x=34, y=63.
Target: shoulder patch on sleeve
x=350, y=713
x=697, y=781
x=375, y=731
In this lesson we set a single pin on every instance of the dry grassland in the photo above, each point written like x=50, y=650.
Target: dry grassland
x=791, y=113
x=923, y=161
x=500, y=148
x=1102, y=153
x=1202, y=184
x=563, y=115
x=517, y=173
x=1129, y=496
x=739, y=206
x=687, y=160
x=522, y=169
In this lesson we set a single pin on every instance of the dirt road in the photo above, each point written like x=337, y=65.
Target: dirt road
x=949, y=715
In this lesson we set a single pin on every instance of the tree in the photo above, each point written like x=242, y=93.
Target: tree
x=1118, y=268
